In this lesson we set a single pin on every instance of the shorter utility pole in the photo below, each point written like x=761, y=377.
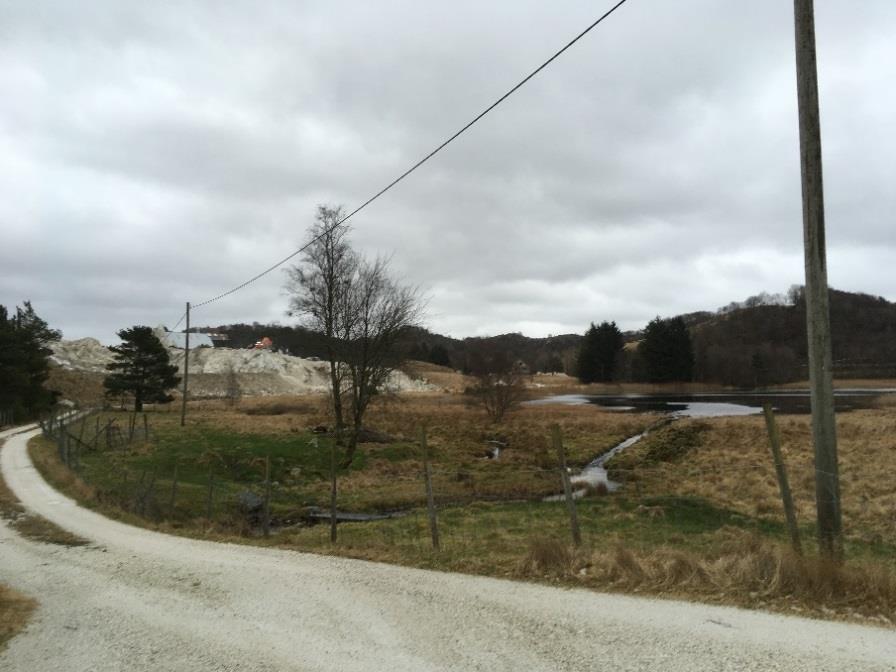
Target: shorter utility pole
x=183, y=403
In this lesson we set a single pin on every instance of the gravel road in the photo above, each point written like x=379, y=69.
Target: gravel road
x=139, y=600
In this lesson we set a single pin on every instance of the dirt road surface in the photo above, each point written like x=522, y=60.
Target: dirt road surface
x=139, y=600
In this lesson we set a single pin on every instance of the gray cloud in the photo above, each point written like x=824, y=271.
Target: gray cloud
x=151, y=155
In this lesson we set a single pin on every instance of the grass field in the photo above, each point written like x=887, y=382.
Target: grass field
x=697, y=516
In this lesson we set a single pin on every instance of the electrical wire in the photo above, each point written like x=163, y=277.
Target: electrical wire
x=419, y=163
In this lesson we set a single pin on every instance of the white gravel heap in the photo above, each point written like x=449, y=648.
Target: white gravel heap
x=259, y=372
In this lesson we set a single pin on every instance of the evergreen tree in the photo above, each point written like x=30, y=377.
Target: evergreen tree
x=555, y=364
x=141, y=368
x=609, y=349
x=681, y=351
x=667, y=351
x=586, y=365
x=439, y=355
x=24, y=362
x=600, y=353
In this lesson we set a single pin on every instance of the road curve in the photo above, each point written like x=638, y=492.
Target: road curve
x=140, y=600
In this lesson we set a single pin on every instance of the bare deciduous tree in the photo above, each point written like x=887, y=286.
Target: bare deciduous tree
x=500, y=381
x=378, y=312
x=318, y=288
x=362, y=311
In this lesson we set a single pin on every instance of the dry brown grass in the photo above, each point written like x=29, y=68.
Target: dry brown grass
x=442, y=377
x=15, y=610
x=731, y=467
x=841, y=383
x=457, y=432
x=30, y=525
x=743, y=569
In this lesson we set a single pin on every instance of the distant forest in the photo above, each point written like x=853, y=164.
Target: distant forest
x=760, y=341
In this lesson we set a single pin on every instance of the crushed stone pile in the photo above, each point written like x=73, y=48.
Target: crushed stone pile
x=258, y=372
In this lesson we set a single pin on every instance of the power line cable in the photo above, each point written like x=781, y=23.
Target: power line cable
x=420, y=162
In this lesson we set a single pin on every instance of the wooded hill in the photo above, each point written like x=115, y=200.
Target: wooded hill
x=761, y=341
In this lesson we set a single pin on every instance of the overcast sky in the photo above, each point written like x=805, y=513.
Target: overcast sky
x=155, y=153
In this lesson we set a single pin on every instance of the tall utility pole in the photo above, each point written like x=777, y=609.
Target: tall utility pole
x=183, y=402
x=818, y=323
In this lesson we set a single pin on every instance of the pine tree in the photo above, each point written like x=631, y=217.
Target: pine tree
x=667, y=351
x=24, y=362
x=586, y=365
x=141, y=368
x=600, y=353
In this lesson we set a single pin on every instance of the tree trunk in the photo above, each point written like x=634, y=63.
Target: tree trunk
x=352, y=446
x=337, y=395
x=138, y=402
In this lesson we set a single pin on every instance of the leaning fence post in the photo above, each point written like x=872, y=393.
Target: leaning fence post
x=430, y=500
x=567, y=489
x=145, y=427
x=783, y=483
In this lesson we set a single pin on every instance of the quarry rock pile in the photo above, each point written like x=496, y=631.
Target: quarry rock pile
x=257, y=372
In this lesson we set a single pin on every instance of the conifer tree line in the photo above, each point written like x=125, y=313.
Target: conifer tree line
x=664, y=355
x=24, y=363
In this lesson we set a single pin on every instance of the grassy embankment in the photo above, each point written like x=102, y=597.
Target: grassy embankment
x=698, y=516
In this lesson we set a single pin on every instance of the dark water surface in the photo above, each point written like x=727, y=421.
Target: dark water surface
x=718, y=404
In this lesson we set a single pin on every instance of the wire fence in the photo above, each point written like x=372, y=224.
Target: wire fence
x=419, y=505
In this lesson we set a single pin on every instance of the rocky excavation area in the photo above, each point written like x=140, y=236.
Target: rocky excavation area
x=212, y=370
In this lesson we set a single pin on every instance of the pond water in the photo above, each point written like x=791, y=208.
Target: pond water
x=717, y=404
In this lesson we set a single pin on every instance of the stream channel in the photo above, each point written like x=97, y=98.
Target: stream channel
x=675, y=406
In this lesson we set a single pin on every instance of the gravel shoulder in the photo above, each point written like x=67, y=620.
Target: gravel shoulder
x=138, y=600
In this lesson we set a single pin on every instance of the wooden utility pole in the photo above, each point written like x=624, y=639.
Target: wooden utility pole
x=183, y=404
x=818, y=326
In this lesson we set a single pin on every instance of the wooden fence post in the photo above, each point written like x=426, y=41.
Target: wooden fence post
x=148, y=494
x=783, y=483
x=332, y=492
x=211, y=485
x=430, y=499
x=567, y=489
x=173, y=492
x=60, y=447
x=266, y=521
x=145, y=427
